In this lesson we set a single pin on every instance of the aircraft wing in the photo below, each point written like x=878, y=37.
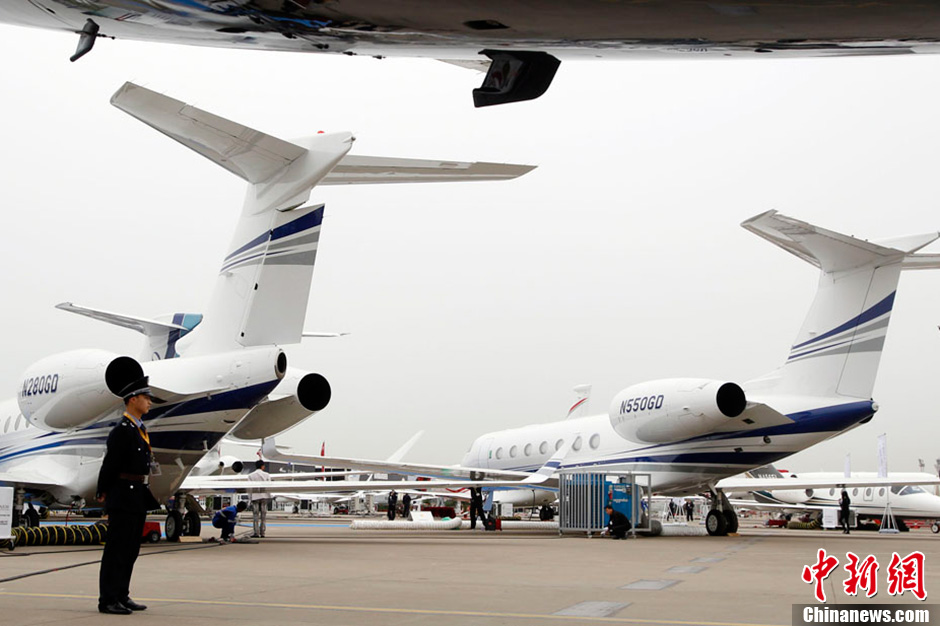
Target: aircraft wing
x=361, y=170
x=270, y=451
x=542, y=479
x=37, y=473
x=736, y=483
x=767, y=506
x=206, y=484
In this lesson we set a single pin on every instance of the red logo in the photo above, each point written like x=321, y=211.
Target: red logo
x=904, y=574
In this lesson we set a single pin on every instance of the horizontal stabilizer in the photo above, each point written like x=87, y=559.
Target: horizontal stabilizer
x=361, y=170
x=828, y=250
x=247, y=153
x=161, y=333
x=147, y=327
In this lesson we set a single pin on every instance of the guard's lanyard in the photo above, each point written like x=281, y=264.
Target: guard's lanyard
x=140, y=428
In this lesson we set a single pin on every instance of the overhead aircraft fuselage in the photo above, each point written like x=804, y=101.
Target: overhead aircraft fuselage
x=455, y=29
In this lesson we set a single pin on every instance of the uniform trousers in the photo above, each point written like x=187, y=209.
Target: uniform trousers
x=120, y=553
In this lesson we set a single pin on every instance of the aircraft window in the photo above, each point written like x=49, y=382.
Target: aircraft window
x=881, y=492
x=868, y=492
x=6, y=426
x=832, y=492
x=577, y=444
x=855, y=491
x=499, y=453
x=594, y=441
x=559, y=444
x=528, y=449
x=19, y=419
x=896, y=489
x=543, y=448
x=911, y=489
x=512, y=451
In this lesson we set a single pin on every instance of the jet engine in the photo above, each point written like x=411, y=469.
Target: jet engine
x=73, y=389
x=298, y=396
x=664, y=411
x=793, y=496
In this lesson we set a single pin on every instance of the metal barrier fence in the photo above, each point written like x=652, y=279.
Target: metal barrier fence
x=582, y=497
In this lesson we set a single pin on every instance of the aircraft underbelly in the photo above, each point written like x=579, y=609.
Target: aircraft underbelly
x=463, y=28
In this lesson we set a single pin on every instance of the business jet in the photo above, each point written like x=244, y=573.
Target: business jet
x=221, y=372
x=517, y=42
x=687, y=434
x=816, y=491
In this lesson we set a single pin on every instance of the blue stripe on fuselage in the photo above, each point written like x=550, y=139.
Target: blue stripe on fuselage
x=245, y=398
x=826, y=419
x=236, y=399
x=875, y=311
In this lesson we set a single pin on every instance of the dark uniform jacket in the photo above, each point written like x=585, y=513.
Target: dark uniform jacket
x=618, y=520
x=127, y=458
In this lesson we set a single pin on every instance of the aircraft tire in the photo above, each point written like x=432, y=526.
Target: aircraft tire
x=731, y=520
x=192, y=525
x=935, y=527
x=173, y=526
x=153, y=536
x=716, y=524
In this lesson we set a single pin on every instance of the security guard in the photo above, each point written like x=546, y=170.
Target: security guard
x=123, y=487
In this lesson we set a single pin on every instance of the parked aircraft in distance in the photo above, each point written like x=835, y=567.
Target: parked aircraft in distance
x=518, y=41
x=689, y=433
x=816, y=491
x=220, y=373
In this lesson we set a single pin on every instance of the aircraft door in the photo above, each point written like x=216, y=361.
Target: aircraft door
x=486, y=453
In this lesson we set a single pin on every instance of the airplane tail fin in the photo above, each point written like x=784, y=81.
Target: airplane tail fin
x=262, y=290
x=580, y=407
x=838, y=349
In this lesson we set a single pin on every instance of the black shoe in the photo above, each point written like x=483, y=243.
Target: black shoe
x=133, y=605
x=115, y=608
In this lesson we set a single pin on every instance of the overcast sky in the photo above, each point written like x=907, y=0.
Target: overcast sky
x=476, y=307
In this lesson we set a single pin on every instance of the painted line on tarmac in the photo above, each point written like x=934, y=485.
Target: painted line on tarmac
x=366, y=609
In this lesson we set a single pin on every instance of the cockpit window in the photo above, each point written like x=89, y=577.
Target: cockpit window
x=912, y=489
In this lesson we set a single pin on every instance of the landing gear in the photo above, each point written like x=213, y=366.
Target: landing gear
x=183, y=519
x=192, y=525
x=935, y=527
x=173, y=526
x=716, y=524
x=721, y=519
x=732, y=520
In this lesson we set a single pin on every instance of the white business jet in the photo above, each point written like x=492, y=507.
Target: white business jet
x=689, y=433
x=516, y=41
x=814, y=492
x=229, y=375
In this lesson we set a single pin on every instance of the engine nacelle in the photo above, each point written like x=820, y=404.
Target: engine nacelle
x=302, y=395
x=793, y=496
x=73, y=389
x=663, y=411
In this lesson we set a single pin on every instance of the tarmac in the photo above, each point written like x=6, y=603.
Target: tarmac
x=312, y=572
